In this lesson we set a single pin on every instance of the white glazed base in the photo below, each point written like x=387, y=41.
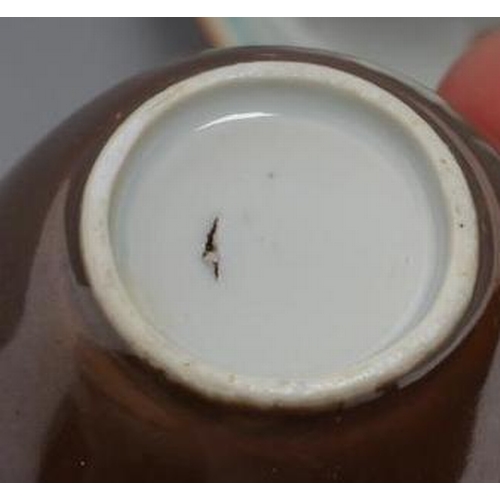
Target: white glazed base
x=345, y=244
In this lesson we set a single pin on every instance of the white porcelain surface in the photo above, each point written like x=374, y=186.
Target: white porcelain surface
x=346, y=240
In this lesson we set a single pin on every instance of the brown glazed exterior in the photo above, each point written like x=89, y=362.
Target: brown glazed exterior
x=76, y=406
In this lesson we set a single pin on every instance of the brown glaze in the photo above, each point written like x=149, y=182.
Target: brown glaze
x=76, y=406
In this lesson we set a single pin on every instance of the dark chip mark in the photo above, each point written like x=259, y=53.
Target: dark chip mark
x=211, y=251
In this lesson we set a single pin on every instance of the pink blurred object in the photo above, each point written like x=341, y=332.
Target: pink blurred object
x=472, y=86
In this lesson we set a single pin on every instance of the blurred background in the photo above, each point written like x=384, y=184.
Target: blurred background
x=51, y=67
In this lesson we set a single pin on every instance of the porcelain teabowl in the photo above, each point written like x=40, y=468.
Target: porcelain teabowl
x=258, y=264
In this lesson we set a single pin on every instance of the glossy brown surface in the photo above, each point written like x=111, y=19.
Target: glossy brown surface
x=76, y=406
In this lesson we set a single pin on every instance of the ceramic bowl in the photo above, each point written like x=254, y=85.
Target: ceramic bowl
x=258, y=264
